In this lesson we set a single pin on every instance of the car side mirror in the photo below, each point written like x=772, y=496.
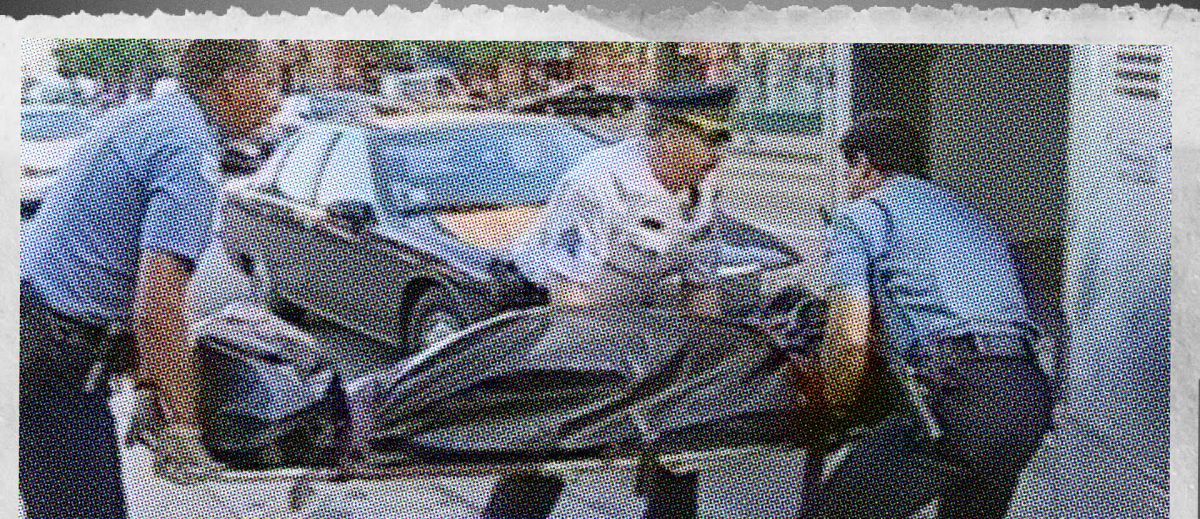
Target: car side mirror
x=356, y=215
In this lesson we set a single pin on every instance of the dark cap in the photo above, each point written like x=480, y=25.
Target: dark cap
x=692, y=97
x=704, y=107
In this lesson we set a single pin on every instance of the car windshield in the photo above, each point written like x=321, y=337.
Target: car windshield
x=44, y=125
x=477, y=165
x=337, y=106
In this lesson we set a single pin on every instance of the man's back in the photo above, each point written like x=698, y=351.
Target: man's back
x=138, y=182
x=948, y=271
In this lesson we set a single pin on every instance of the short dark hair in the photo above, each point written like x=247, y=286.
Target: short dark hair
x=205, y=61
x=889, y=142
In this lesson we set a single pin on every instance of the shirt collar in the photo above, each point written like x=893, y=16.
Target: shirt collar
x=899, y=181
x=638, y=171
x=219, y=134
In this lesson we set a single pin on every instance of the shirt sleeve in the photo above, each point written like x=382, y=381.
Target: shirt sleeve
x=580, y=247
x=849, y=255
x=563, y=245
x=182, y=202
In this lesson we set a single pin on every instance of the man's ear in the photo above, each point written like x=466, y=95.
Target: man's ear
x=220, y=88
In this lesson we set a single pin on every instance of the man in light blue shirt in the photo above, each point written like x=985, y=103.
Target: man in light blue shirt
x=112, y=247
x=939, y=279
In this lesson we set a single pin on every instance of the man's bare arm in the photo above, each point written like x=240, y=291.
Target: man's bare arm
x=843, y=357
x=162, y=333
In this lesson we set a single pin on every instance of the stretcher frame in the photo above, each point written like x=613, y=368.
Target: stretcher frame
x=386, y=467
x=402, y=467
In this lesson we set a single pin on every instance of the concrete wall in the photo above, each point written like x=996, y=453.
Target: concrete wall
x=998, y=125
x=998, y=132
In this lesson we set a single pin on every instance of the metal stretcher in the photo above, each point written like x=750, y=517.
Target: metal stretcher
x=303, y=481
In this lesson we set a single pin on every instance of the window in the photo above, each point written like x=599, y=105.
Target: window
x=479, y=164
x=782, y=87
x=348, y=172
x=298, y=177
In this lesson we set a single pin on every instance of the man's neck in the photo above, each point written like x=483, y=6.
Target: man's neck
x=209, y=110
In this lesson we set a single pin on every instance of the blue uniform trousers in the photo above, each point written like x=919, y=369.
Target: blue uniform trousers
x=994, y=413
x=69, y=459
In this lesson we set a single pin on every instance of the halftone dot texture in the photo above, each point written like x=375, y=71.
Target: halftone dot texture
x=391, y=197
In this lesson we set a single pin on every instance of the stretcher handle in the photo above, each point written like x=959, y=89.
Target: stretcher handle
x=677, y=463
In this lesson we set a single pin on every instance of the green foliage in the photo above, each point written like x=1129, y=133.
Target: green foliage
x=483, y=52
x=390, y=54
x=108, y=59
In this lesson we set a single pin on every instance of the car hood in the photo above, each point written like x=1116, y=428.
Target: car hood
x=47, y=155
x=493, y=230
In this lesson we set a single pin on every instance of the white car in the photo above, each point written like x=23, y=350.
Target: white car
x=430, y=90
x=49, y=135
x=420, y=86
x=332, y=106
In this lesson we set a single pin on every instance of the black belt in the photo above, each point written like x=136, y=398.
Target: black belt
x=76, y=325
x=81, y=326
x=996, y=345
x=109, y=340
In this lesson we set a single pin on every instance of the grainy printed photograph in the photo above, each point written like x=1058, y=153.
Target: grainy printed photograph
x=515, y=279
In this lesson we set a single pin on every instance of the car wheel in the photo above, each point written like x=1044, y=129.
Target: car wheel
x=265, y=294
x=434, y=316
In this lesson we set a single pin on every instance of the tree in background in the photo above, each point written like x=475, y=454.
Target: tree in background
x=509, y=65
x=380, y=56
x=118, y=65
x=391, y=54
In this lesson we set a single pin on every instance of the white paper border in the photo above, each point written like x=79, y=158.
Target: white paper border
x=1172, y=26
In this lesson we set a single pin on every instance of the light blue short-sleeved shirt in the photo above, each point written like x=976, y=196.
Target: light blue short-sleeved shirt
x=147, y=178
x=949, y=270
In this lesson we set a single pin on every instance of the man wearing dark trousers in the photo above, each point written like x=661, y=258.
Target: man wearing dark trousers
x=952, y=311
x=619, y=224
x=113, y=247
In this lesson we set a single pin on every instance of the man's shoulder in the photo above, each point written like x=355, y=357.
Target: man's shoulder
x=863, y=214
x=617, y=154
x=174, y=120
x=911, y=190
x=598, y=167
